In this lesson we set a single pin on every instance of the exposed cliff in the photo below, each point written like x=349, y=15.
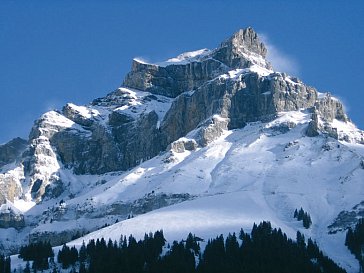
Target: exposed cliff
x=11, y=151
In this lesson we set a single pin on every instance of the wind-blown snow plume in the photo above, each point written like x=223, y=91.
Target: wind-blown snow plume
x=280, y=60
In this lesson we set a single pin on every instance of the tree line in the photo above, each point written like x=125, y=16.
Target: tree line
x=263, y=250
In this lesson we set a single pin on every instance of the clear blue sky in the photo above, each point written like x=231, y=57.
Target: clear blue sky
x=53, y=52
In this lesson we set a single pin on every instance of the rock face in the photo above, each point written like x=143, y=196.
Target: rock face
x=197, y=95
x=10, y=151
x=347, y=219
x=330, y=108
x=249, y=97
x=118, y=143
x=313, y=127
x=10, y=184
x=236, y=52
x=171, y=79
x=10, y=219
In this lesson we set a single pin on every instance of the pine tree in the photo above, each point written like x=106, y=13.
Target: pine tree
x=241, y=234
x=300, y=238
x=83, y=253
x=300, y=214
x=306, y=220
x=192, y=244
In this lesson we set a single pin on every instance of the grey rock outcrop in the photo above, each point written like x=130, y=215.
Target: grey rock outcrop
x=313, y=126
x=182, y=145
x=331, y=108
x=172, y=80
x=210, y=130
x=235, y=51
x=328, y=109
x=347, y=219
x=10, y=219
x=10, y=185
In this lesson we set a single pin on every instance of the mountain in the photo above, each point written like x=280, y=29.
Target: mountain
x=207, y=142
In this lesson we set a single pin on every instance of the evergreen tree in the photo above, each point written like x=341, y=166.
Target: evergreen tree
x=312, y=248
x=300, y=239
x=300, y=214
x=83, y=253
x=67, y=256
x=295, y=214
x=232, y=250
x=192, y=244
x=306, y=220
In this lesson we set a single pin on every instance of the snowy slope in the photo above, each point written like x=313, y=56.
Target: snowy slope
x=246, y=176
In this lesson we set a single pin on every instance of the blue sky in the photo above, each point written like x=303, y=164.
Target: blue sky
x=54, y=52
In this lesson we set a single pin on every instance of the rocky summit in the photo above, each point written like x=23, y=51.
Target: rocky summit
x=168, y=112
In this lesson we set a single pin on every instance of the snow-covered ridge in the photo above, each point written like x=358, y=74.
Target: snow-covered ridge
x=182, y=59
x=84, y=111
x=235, y=73
x=348, y=132
x=186, y=57
x=51, y=122
x=203, y=55
x=139, y=103
x=130, y=102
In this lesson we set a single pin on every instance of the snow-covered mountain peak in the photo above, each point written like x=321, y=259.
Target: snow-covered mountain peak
x=184, y=104
x=200, y=128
